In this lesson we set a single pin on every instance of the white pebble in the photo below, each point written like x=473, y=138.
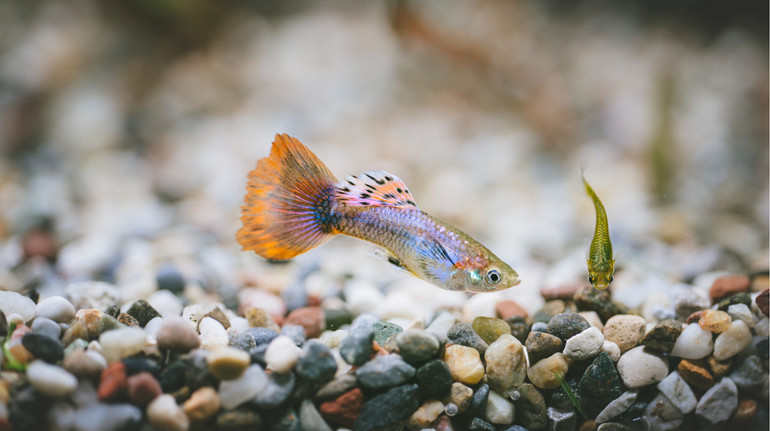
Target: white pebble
x=51, y=380
x=585, y=344
x=12, y=302
x=499, y=410
x=122, y=343
x=741, y=312
x=282, y=354
x=233, y=393
x=617, y=406
x=441, y=324
x=165, y=414
x=593, y=319
x=238, y=323
x=165, y=303
x=611, y=349
x=153, y=326
x=332, y=339
x=678, y=392
x=639, y=367
x=56, y=308
x=693, y=343
x=734, y=339
x=213, y=334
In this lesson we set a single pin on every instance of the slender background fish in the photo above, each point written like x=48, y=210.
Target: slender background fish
x=601, y=263
x=293, y=203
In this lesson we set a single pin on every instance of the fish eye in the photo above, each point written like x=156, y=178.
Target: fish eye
x=493, y=276
x=591, y=279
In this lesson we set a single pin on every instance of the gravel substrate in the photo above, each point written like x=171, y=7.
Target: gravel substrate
x=90, y=362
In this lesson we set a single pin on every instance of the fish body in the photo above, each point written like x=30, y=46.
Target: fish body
x=293, y=203
x=601, y=263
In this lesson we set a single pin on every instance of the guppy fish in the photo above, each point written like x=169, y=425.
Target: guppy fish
x=293, y=203
x=601, y=263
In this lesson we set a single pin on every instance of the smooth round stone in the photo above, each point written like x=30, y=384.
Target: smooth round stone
x=693, y=343
x=566, y=325
x=662, y=415
x=612, y=350
x=479, y=399
x=143, y=388
x=316, y=363
x=43, y=347
x=663, y=335
x=600, y=381
x=310, y=418
x=617, y=407
x=338, y=386
x=282, y=354
x=357, y=347
x=262, y=335
x=228, y=363
x=593, y=319
x=12, y=302
x=625, y=330
x=212, y=334
x=416, y=345
x=233, y=393
x=84, y=363
x=741, y=312
x=541, y=374
x=499, y=410
x=733, y=340
x=490, y=328
x=542, y=345
x=56, y=308
x=584, y=345
x=531, y=410
x=717, y=404
x=641, y=367
x=714, y=321
x=93, y=294
x=426, y=414
x=540, y=327
x=729, y=285
x=506, y=364
x=463, y=334
x=434, y=379
x=202, y=405
x=388, y=408
x=295, y=332
x=464, y=364
x=276, y=392
x=310, y=318
x=460, y=396
x=51, y=380
x=336, y=318
x=176, y=333
x=384, y=372
x=169, y=278
x=678, y=392
x=121, y=343
x=164, y=414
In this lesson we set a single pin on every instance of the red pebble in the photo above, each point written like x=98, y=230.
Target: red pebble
x=343, y=410
x=113, y=383
x=143, y=388
x=310, y=318
x=762, y=300
x=725, y=287
x=507, y=309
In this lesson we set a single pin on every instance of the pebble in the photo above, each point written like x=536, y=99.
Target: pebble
x=714, y=321
x=541, y=374
x=388, y=408
x=564, y=292
x=56, y=308
x=357, y=347
x=282, y=354
x=143, y=312
x=107, y=417
x=339, y=386
x=733, y=340
x=542, y=345
x=687, y=301
x=506, y=364
x=220, y=316
x=490, y=328
x=384, y=372
x=12, y=302
x=499, y=410
x=662, y=415
x=640, y=367
x=727, y=286
x=549, y=310
x=238, y=420
x=566, y=325
x=696, y=373
x=663, y=335
x=741, y=312
x=719, y=368
x=212, y=334
x=507, y=309
x=127, y=319
x=262, y=335
x=276, y=392
x=434, y=379
x=463, y=334
x=310, y=318
x=588, y=298
x=84, y=364
x=336, y=318
x=738, y=298
x=600, y=382
x=531, y=410
x=625, y=330
x=459, y=396
x=479, y=399
x=164, y=414
x=114, y=382
x=417, y=346
x=51, y=380
x=561, y=420
x=717, y=404
x=316, y=363
x=333, y=339
x=441, y=324
x=584, y=345
x=693, y=343
x=748, y=375
x=121, y=343
x=202, y=405
x=519, y=328
x=310, y=419
x=343, y=410
x=746, y=413
x=176, y=333
x=762, y=301
x=93, y=294
x=43, y=347
x=617, y=406
x=384, y=330
x=295, y=332
x=612, y=350
x=464, y=364
x=143, y=388
x=540, y=327
x=478, y=424
x=169, y=278
x=227, y=363
x=235, y=392
x=678, y=392
x=260, y=318
x=426, y=414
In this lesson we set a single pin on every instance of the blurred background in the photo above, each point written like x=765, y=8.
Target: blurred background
x=127, y=130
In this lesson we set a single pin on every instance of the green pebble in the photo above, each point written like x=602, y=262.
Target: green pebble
x=335, y=319
x=490, y=328
x=384, y=330
x=738, y=298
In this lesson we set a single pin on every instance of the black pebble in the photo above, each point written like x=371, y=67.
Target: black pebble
x=43, y=347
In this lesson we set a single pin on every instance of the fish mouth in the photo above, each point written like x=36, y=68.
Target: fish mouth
x=515, y=282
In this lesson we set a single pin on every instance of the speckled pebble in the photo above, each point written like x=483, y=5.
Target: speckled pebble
x=316, y=363
x=531, y=410
x=541, y=345
x=663, y=335
x=696, y=373
x=541, y=374
x=416, y=345
x=625, y=330
x=566, y=325
x=506, y=364
x=463, y=334
x=678, y=392
x=717, y=404
x=384, y=372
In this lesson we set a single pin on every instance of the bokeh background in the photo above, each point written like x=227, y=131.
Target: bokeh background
x=127, y=130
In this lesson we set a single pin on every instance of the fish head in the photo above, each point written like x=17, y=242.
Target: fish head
x=486, y=275
x=600, y=275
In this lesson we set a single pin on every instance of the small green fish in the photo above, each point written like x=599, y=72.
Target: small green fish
x=601, y=263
